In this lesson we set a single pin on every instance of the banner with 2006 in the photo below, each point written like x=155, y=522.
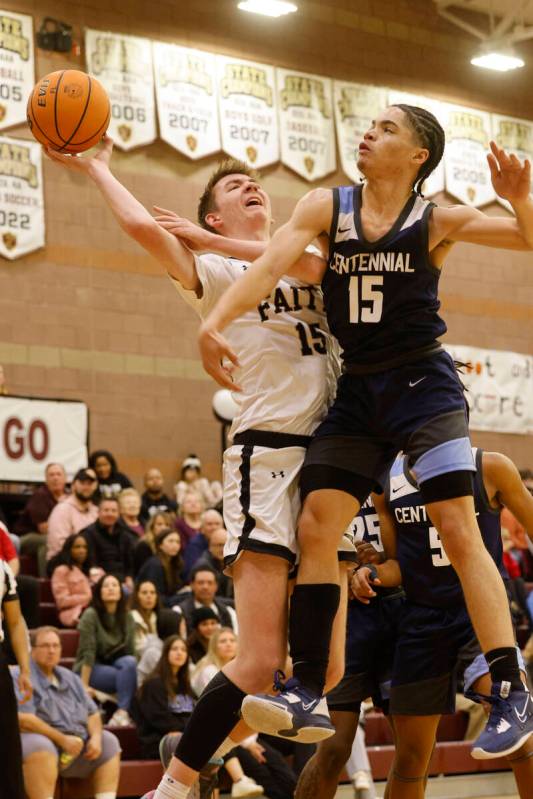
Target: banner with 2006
x=123, y=64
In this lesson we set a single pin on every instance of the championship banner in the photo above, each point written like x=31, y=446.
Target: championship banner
x=355, y=107
x=123, y=64
x=433, y=184
x=17, y=71
x=34, y=432
x=515, y=136
x=306, y=123
x=500, y=388
x=248, y=112
x=185, y=83
x=467, y=174
x=21, y=197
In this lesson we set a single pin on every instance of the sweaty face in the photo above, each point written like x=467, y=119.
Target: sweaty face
x=241, y=202
x=390, y=146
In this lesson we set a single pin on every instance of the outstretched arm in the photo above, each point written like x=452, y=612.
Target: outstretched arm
x=133, y=217
x=308, y=268
x=512, y=181
x=504, y=485
x=310, y=218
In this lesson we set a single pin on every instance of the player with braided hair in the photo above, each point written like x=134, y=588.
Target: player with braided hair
x=399, y=391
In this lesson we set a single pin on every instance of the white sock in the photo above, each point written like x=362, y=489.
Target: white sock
x=106, y=795
x=169, y=788
x=226, y=746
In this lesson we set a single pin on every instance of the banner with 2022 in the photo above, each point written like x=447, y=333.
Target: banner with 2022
x=21, y=197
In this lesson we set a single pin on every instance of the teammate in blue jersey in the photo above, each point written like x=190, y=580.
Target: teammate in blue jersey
x=370, y=645
x=399, y=390
x=435, y=634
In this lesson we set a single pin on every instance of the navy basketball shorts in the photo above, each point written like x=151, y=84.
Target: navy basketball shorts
x=370, y=645
x=419, y=408
x=429, y=647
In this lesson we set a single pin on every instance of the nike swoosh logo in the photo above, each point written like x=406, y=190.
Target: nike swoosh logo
x=412, y=385
x=309, y=706
x=523, y=715
x=344, y=230
x=395, y=490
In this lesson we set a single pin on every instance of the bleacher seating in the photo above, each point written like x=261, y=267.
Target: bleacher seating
x=451, y=755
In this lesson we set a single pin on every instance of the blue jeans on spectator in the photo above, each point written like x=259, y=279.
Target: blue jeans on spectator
x=120, y=678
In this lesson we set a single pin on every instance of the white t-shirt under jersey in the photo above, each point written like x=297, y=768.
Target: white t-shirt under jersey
x=288, y=371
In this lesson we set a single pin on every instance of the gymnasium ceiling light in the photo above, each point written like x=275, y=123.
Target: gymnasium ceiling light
x=269, y=8
x=500, y=59
x=506, y=23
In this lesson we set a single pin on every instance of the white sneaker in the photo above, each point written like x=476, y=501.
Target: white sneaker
x=246, y=787
x=361, y=781
x=120, y=718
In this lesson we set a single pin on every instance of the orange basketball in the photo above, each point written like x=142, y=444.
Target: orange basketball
x=68, y=111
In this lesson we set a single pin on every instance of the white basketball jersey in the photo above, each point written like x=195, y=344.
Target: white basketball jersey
x=288, y=367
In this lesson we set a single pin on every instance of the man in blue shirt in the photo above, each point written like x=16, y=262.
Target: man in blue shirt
x=61, y=728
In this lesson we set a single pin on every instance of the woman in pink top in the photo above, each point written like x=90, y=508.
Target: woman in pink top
x=72, y=580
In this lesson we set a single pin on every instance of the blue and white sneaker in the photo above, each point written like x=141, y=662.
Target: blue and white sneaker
x=296, y=713
x=510, y=722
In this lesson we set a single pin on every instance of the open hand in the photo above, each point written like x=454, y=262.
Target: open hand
x=216, y=352
x=510, y=177
x=79, y=163
x=194, y=236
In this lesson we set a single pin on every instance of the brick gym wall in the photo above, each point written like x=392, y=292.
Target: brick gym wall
x=92, y=317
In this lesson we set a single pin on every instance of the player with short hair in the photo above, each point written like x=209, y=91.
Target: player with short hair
x=399, y=390
x=435, y=634
x=285, y=394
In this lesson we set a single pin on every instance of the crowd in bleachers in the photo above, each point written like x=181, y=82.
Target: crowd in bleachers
x=132, y=586
x=139, y=582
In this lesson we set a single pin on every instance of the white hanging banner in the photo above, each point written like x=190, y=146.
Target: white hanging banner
x=515, y=136
x=17, y=70
x=185, y=83
x=467, y=174
x=21, y=197
x=123, y=65
x=248, y=112
x=34, y=432
x=500, y=388
x=306, y=123
x=434, y=183
x=355, y=108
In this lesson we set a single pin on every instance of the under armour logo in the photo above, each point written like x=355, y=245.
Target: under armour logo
x=278, y=474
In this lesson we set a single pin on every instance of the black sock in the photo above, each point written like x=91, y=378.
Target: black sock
x=312, y=611
x=503, y=665
x=215, y=715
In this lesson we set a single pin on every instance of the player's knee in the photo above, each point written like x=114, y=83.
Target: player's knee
x=460, y=540
x=333, y=754
x=411, y=759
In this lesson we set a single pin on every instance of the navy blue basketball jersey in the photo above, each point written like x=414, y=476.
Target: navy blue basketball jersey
x=381, y=297
x=428, y=577
x=365, y=527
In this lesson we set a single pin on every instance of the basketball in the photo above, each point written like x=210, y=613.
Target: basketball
x=68, y=110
